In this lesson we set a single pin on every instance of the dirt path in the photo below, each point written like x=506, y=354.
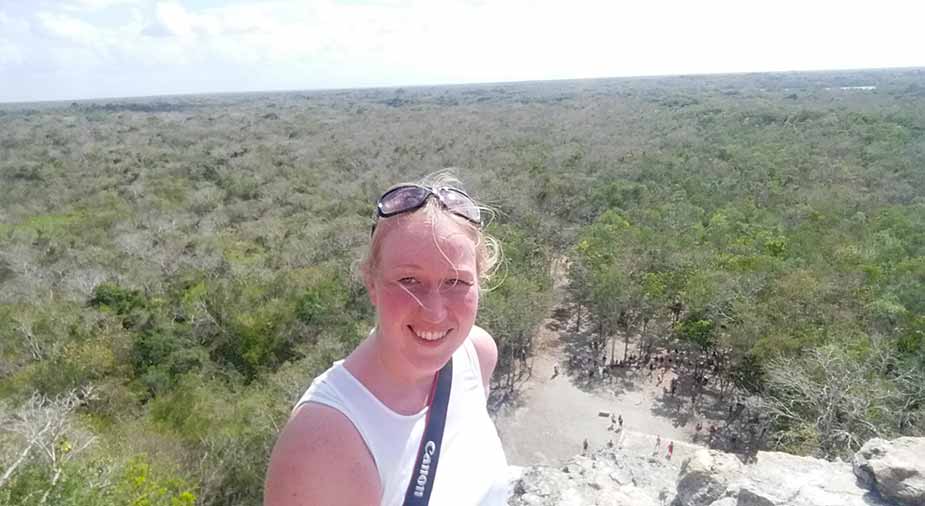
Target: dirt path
x=553, y=415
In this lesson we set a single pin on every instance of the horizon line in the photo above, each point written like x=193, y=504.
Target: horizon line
x=454, y=84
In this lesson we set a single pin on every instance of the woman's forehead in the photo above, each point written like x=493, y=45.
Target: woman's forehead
x=425, y=244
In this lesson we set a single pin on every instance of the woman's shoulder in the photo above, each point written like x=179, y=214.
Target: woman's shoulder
x=320, y=458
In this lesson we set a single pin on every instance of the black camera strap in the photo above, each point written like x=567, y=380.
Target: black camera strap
x=425, y=466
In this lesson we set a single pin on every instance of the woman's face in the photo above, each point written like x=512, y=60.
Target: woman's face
x=425, y=289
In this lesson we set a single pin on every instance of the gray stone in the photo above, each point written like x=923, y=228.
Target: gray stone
x=774, y=479
x=621, y=476
x=569, y=497
x=573, y=469
x=631, y=496
x=750, y=498
x=712, y=478
x=705, y=477
x=783, y=479
x=895, y=469
x=532, y=500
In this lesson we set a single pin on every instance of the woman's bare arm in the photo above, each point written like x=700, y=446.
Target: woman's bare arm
x=321, y=460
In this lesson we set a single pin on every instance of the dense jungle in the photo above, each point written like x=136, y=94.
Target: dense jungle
x=174, y=271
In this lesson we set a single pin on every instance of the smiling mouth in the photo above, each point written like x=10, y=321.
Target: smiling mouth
x=430, y=336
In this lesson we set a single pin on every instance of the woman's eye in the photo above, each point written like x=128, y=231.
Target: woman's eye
x=455, y=282
x=408, y=281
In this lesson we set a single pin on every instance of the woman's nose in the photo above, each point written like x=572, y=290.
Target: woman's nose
x=433, y=306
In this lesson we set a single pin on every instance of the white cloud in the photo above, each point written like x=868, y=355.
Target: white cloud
x=157, y=29
x=174, y=18
x=10, y=54
x=96, y=5
x=69, y=28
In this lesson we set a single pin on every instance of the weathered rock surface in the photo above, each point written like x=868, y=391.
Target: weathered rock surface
x=711, y=478
x=778, y=479
x=895, y=469
x=584, y=480
x=637, y=472
x=705, y=476
x=632, y=472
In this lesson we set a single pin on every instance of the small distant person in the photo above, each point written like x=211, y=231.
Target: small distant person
x=584, y=447
x=620, y=421
x=670, y=449
x=658, y=441
x=555, y=370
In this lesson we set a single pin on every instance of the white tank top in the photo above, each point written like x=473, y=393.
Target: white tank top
x=472, y=469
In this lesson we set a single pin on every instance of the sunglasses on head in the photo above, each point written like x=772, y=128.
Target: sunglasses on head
x=411, y=197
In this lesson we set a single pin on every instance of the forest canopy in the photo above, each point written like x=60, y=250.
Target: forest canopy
x=174, y=271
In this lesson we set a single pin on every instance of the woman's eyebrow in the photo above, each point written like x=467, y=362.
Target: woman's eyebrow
x=451, y=273
x=407, y=266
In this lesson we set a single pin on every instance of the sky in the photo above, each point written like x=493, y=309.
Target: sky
x=76, y=49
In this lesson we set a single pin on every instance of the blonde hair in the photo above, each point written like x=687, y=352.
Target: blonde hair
x=488, y=251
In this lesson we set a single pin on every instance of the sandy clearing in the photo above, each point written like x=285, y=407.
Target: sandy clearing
x=552, y=416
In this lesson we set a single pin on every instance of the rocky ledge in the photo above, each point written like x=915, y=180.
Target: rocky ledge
x=637, y=470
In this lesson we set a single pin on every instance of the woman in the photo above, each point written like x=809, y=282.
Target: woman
x=354, y=436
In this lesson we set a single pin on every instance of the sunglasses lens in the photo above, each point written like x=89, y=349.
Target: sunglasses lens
x=402, y=199
x=460, y=203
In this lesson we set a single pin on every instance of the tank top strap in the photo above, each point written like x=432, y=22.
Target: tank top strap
x=471, y=356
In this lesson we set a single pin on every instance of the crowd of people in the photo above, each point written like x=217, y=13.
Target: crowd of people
x=681, y=373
